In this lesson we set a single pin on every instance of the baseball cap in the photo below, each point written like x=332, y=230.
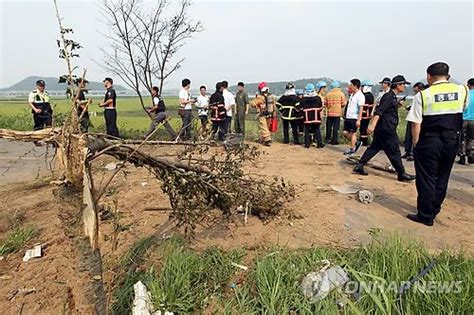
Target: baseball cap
x=40, y=82
x=108, y=79
x=399, y=79
x=385, y=80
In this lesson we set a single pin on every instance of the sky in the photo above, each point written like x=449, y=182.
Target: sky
x=265, y=40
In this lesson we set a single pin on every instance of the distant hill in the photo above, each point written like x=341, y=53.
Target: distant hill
x=28, y=84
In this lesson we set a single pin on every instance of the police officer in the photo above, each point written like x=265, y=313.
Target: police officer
x=408, y=143
x=436, y=115
x=109, y=105
x=384, y=127
x=41, y=109
x=290, y=115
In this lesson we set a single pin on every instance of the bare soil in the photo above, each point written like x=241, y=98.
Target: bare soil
x=319, y=216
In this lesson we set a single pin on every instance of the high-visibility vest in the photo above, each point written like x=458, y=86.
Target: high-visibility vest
x=367, y=111
x=218, y=112
x=443, y=98
x=443, y=105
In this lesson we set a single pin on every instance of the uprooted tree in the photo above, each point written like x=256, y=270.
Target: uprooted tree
x=198, y=181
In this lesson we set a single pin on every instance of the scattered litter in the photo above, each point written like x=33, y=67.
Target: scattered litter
x=144, y=184
x=6, y=277
x=345, y=189
x=142, y=301
x=111, y=166
x=97, y=277
x=239, y=266
x=2, y=257
x=21, y=292
x=317, y=285
x=366, y=196
x=407, y=285
x=347, y=225
x=33, y=253
x=233, y=285
x=290, y=223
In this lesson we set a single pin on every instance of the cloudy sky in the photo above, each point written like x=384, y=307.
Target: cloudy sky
x=261, y=40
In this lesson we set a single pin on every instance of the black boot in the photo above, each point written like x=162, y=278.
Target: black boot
x=406, y=177
x=416, y=218
x=359, y=169
x=462, y=160
x=470, y=159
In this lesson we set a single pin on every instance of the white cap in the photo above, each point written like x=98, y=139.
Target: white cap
x=265, y=89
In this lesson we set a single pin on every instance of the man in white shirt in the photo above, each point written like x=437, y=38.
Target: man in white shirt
x=185, y=109
x=353, y=116
x=202, y=105
x=229, y=103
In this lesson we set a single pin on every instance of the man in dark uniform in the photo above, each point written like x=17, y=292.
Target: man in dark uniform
x=367, y=111
x=436, y=115
x=288, y=104
x=158, y=112
x=109, y=105
x=408, y=143
x=218, y=114
x=312, y=106
x=384, y=126
x=41, y=109
x=82, y=108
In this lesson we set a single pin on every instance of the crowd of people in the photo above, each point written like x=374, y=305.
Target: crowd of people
x=440, y=122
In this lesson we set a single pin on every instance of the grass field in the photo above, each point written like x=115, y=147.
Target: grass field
x=184, y=281
x=132, y=120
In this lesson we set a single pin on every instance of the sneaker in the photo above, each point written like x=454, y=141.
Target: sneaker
x=410, y=158
x=358, y=145
x=320, y=145
x=349, y=151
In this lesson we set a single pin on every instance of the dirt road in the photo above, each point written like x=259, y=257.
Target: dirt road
x=324, y=217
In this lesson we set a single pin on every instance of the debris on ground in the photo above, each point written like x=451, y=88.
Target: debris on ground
x=366, y=196
x=317, y=285
x=345, y=189
x=111, y=166
x=142, y=302
x=20, y=292
x=239, y=266
x=144, y=184
x=36, y=252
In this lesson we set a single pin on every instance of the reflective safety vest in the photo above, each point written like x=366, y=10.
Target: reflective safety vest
x=444, y=98
x=287, y=105
x=367, y=111
x=313, y=115
x=218, y=112
x=443, y=105
x=41, y=101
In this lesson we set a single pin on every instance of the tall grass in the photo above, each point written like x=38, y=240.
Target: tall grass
x=186, y=281
x=16, y=240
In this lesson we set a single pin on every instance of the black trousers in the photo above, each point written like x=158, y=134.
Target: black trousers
x=408, y=140
x=434, y=158
x=312, y=133
x=364, y=125
x=389, y=144
x=332, y=129
x=110, y=116
x=294, y=130
x=43, y=120
x=221, y=128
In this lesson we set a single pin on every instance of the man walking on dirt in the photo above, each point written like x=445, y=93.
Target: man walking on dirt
x=242, y=108
x=384, y=127
x=185, y=109
x=109, y=105
x=38, y=100
x=353, y=116
x=160, y=117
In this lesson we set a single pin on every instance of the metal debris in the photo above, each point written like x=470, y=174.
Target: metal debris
x=345, y=189
x=366, y=196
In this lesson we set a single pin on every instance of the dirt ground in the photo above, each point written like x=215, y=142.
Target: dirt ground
x=324, y=217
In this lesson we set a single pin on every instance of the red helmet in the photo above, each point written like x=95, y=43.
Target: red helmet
x=262, y=85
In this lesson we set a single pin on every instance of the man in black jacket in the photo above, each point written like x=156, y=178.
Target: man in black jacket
x=290, y=115
x=384, y=127
x=218, y=112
